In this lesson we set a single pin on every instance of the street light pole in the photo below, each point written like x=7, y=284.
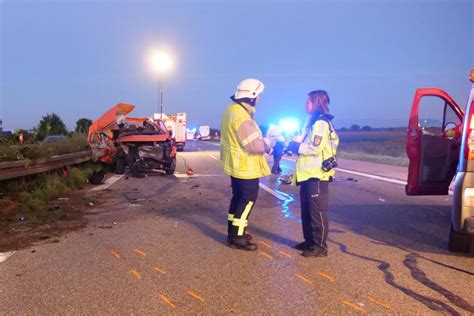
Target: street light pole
x=162, y=64
x=161, y=96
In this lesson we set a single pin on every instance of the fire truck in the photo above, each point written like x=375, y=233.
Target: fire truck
x=176, y=125
x=440, y=147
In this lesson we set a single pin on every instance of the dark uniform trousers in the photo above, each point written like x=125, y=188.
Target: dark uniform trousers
x=314, y=213
x=244, y=195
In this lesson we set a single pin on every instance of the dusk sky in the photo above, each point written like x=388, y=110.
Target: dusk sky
x=78, y=58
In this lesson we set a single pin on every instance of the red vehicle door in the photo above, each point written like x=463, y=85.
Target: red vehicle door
x=433, y=142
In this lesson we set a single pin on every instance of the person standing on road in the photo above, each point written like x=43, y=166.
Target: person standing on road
x=274, y=132
x=313, y=172
x=242, y=157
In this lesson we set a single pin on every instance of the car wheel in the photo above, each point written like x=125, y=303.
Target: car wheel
x=172, y=166
x=120, y=166
x=460, y=242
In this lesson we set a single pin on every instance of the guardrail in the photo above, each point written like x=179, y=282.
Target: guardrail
x=15, y=169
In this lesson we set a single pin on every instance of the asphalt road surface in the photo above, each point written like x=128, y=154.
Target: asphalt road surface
x=158, y=246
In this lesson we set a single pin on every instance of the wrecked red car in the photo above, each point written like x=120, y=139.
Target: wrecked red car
x=142, y=144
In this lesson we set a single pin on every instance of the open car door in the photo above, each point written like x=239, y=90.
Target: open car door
x=433, y=142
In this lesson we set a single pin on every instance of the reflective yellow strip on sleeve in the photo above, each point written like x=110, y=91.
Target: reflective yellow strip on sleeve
x=250, y=138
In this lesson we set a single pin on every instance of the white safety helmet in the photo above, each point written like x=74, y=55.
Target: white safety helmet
x=249, y=88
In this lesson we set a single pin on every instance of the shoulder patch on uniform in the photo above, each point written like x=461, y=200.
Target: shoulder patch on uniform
x=317, y=140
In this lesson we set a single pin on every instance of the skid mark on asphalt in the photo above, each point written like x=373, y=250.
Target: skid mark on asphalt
x=383, y=266
x=354, y=306
x=376, y=301
x=135, y=273
x=166, y=300
x=195, y=295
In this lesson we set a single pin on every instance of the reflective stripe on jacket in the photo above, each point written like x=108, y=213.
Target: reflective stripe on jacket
x=319, y=144
x=242, y=146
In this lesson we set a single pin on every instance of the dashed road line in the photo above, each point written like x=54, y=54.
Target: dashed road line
x=166, y=300
x=354, y=306
x=212, y=156
x=376, y=301
x=135, y=273
x=140, y=252
x=195, y=295
x=159, y=270
x=303, y=278
x=115, y=254
x=263, y=253
x=5, y=255
x=327, y=277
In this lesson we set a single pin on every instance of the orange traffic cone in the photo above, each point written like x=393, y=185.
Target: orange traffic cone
x=189, y=171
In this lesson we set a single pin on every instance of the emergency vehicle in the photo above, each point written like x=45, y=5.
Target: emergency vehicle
x=440, y=146
x=176, y=125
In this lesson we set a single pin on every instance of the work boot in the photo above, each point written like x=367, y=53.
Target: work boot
x=314, y=253
x=302, y=246
x=243, y=244
x=248, y=237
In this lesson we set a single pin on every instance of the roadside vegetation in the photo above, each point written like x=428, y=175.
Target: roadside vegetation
x=382, y=146
x=50, y=137
x=41, y=206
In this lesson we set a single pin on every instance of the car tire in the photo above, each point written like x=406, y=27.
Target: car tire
x=172, y=167
x=120, y=166
x=460, y=242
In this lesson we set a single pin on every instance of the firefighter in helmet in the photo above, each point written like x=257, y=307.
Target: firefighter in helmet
x=242, y=157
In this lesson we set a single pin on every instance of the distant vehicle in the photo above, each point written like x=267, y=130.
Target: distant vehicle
x=190, y=134
x=9, y=132
x=204, y=132
x=439, y=149
x=54, y=139
x=140, y=143
x=176, y=124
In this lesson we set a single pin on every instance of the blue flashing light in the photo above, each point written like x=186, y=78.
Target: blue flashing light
x=289, y=125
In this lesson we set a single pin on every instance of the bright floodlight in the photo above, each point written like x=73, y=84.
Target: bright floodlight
x=162, y=61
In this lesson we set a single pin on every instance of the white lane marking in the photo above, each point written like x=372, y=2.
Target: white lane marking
x=196, y=175
x=108, y=182
x=181, y=175
x=214, y=143
x=273, y=192
x=212, y=156
x=372, y=176
x=5, y=255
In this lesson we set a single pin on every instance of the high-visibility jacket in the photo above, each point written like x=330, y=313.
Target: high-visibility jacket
x=319, y=144
x=235, y=160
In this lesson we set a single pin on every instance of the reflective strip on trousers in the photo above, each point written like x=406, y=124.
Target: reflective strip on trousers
x=243, y=222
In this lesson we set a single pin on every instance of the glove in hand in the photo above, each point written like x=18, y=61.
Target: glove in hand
x=293, y=147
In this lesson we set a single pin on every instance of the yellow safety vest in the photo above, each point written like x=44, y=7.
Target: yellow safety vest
x=319, y=144
x=234, y=160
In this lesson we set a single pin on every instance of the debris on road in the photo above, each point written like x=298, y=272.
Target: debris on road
x=352, y=179
x=286, y=179
x=382, y=200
